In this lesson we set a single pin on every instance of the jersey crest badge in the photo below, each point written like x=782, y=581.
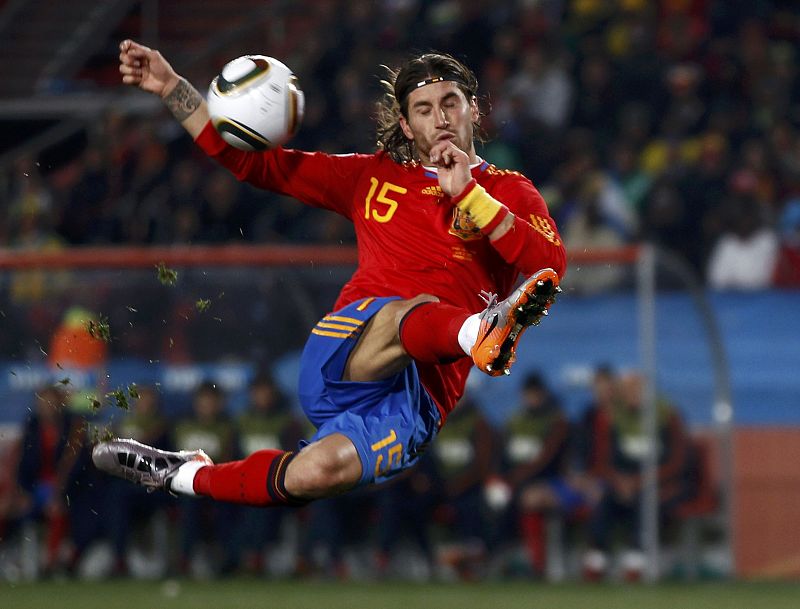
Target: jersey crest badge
x=463, y=227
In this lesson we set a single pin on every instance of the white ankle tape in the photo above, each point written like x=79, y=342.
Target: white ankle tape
x=183, y=480
x=468, y=333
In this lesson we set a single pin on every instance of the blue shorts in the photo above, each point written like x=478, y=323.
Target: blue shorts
x=569, y=498
x=391, y=422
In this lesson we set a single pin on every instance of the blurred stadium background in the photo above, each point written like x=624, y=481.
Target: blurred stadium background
x=665, y=136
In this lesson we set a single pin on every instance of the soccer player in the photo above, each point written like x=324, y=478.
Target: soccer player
x=440, y=232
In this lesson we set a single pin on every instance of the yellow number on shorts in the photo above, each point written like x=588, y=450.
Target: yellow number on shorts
x=394, y=453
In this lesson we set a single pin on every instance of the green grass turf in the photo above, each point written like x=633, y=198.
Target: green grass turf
x=253, y=594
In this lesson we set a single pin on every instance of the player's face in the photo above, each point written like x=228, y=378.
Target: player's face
x=206, y=406
x=604, y=389
x=440, y=111
x=632, y=390
x=262, y=396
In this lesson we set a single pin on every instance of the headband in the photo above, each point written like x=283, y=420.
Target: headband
x=430, y=81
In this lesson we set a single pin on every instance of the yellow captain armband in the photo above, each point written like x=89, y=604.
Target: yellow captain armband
x=482, y=208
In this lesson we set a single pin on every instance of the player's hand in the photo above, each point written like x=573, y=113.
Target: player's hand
x=146, y=68
x=453, y=167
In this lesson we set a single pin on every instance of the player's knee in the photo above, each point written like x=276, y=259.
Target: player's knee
x=535, y=498
x=325, y=478
x=323, y=473
x=402, y=307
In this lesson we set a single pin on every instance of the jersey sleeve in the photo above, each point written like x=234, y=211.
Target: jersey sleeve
x=314, y=178
x=533, y=242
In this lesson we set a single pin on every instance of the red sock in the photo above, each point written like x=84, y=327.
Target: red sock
x=531, y=525
x=57, y=527
x=256, y=480
x=429, y=332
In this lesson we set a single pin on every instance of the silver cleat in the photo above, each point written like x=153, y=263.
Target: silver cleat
x=142, y=464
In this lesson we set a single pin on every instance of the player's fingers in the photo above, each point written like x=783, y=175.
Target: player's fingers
x=126, y=70
x=136, y=65
x=135, y=51
x=444, y=157
x=445, y=146
x=436, y=152
x=138, y=54
x=130, y=79
x=130, y=46
x=128, y=59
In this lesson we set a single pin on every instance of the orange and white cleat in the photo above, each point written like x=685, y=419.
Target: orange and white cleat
x=502, y=323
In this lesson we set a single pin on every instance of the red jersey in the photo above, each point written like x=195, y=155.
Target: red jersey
x=411, y=238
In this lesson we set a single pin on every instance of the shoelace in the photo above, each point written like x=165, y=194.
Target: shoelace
x=490, y=298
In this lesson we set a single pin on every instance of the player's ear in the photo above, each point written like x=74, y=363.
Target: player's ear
x=474, y=111
x=406, y=128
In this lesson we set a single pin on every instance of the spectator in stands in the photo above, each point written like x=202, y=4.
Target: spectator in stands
x=744, y=258
x=592, y=226
x=784, y=142
x=621, y=501
x=578, y=487
x=787, y=269
x=209, y=428
x=74, y=346
x=597, y=93
x=405, y=509
x=534, y=465
x=51, y=443
x=29, y=226
x=31, y=209
x=223, y=215
x=267, y=423
x=685, y=111
x=463, y=457
x=76, y=503
x=668, y=220
x=182, y=226
x=329, y=528
x=625, y=171
x=139, y=184
x=592, y=444
x=755, y=175
x=84, y=197
x=129, y=504
x=546, y=86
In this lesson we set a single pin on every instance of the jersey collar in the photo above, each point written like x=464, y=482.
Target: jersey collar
x=433, y=172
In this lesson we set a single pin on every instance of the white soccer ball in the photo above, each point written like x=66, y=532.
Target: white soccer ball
x=255, y=103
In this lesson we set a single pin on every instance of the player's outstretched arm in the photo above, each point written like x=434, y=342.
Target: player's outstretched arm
x=147, y=69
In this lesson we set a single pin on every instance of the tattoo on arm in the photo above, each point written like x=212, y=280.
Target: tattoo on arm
x=183, y=100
